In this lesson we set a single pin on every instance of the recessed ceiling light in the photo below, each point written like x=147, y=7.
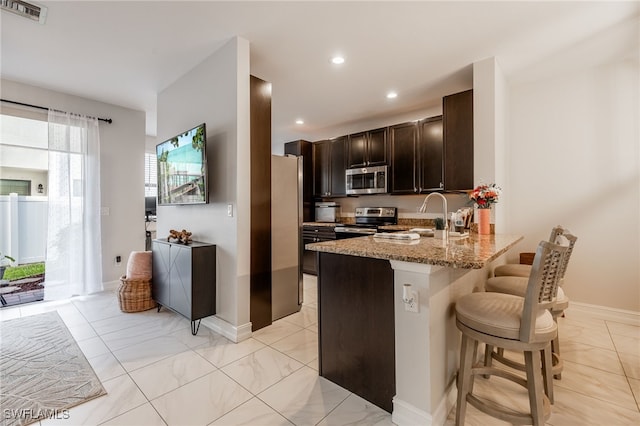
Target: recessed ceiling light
x=392, y=95
x=299, y=121
x=337, y=60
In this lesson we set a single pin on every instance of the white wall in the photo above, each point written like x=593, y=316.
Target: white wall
x=489, y=127
x=150, y=144
x=216, y=92
x=121, y=168
x=574, y=160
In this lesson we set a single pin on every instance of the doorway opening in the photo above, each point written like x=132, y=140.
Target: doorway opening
x=23, y=207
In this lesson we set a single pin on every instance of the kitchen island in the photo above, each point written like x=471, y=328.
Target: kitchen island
x=402, y=361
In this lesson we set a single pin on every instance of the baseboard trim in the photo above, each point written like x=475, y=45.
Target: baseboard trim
x=110, y=285
x=605, y=312
x=446, y=404
x=231, y=332
x=409, y=415
x=405, y=414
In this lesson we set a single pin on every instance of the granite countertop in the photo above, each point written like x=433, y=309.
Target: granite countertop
x=472, y=252
x=395, y=227
x=321, y=223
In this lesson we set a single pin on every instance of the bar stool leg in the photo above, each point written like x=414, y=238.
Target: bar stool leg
x=488, y=358
x=547, y=365
x=464, y=378
x=555, y=348
x=533, y=361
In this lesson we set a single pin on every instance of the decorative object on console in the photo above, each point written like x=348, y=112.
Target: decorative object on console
x=181, y=237
x=484, y=196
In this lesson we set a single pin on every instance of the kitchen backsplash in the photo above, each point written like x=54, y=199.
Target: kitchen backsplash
x=407, y=205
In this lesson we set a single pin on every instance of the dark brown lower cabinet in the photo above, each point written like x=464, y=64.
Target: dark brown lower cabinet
x=356, y=326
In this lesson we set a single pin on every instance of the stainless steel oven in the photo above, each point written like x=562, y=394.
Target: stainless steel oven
x=368, y=219
x=367, y=180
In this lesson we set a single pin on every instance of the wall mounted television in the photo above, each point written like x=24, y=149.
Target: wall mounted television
x=182, y=168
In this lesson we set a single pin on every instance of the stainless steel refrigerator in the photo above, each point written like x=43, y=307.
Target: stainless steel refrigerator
x=286, y=235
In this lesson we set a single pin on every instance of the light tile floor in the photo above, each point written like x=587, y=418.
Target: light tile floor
x=157, y=373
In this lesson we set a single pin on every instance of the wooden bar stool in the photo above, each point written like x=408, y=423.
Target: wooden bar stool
x=517, y=285
x=517, y=323
x=523, y=270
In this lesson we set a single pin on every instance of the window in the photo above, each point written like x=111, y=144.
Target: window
x=150, y=173
x=20, y=187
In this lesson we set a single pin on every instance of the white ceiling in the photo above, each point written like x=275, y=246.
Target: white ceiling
x=124, y=53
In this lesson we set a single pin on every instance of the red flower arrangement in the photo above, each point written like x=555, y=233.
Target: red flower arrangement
x=485, y=195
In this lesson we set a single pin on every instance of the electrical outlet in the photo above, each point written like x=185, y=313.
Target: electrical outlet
x=230, y=210
x=415, y=303
x=118, y=259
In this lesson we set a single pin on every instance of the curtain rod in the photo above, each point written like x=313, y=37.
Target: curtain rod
x=106, y=120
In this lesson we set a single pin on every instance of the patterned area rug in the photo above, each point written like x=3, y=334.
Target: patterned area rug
x=43, y=372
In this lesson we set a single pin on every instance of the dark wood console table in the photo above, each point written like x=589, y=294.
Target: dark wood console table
x=184, y=279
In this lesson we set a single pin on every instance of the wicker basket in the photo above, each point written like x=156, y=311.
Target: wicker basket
x=135, y=295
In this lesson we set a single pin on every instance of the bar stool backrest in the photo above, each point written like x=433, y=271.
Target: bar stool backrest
x=542, y=286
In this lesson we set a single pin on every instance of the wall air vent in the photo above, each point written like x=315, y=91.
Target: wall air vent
x=27, y=10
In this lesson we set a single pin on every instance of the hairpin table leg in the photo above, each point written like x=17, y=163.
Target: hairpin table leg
x=194, y=328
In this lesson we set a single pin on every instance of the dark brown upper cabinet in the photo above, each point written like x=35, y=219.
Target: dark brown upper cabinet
x=434, y=154
x=403, y=149
x=367, y=148
x=329, y=167
x=457, y=112
x=338, y=167
x=321, y=168
x=302, y=148
x=416, y=156
x=430, y=149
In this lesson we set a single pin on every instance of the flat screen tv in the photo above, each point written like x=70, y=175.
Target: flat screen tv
x=182, y=168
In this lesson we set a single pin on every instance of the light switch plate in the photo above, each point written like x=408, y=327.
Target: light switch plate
x=230, y=210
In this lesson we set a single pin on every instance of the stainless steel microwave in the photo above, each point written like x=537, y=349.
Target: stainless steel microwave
x=367, y=180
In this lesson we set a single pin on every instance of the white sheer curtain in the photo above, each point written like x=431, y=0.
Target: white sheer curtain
x=74, y=256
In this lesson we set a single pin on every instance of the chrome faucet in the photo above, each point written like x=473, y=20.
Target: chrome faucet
x=423, y=208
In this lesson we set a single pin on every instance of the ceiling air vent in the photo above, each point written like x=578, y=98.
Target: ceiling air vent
x=27, y=10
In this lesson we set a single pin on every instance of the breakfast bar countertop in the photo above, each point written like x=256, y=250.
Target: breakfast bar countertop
x=327, y=224
x=472, y=252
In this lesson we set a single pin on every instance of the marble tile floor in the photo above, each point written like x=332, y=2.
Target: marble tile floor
x=157, y=373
